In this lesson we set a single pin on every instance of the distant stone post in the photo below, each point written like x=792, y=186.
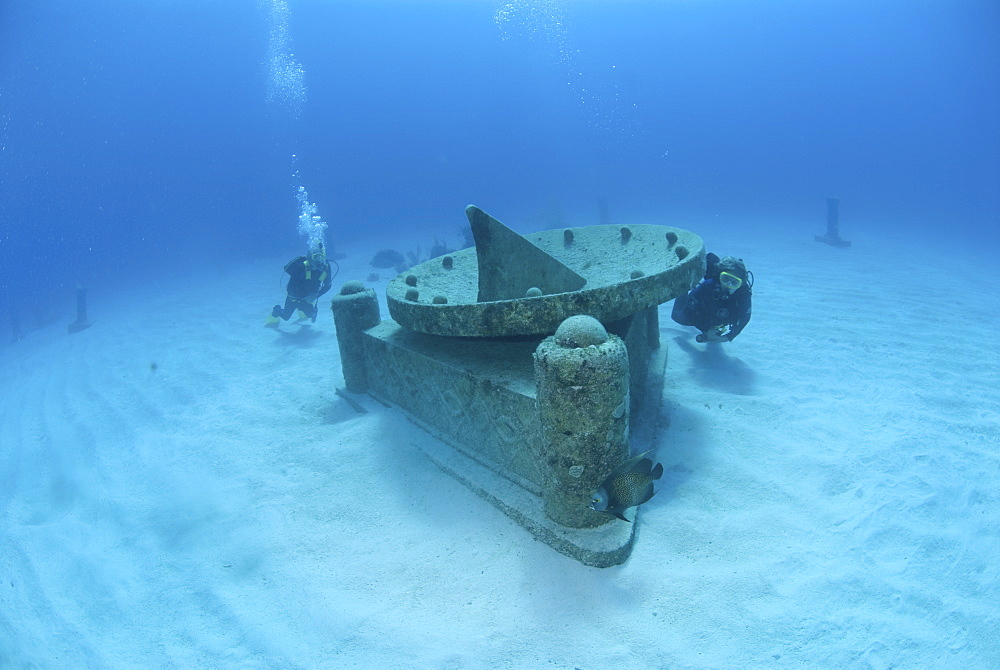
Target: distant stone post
x=355, y=310
x=582, y=376
x=81, y=322
x=832, y=236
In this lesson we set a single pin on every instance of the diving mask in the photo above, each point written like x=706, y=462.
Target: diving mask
x=729, y=281
x=317, y=260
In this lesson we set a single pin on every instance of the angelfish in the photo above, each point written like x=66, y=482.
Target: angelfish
x=629, y=485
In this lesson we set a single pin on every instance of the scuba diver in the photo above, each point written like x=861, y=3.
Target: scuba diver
x=309, y=277
x=719, y=306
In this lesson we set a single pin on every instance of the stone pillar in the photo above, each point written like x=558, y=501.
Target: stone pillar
x=832, y=236
x=833, y=218
x=355, y=310
x=582, y=377
x=81, y=311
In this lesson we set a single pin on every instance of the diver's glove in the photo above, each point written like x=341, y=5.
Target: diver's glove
x=714, y=335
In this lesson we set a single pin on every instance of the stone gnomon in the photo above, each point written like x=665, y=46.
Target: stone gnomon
x=536, y=406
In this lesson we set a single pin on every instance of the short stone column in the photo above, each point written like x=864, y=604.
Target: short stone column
x=355, y=310
x=582, y=377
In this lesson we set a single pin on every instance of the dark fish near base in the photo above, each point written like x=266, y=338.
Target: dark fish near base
x=629, y=485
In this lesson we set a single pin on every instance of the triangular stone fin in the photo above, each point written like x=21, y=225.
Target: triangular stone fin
x=509, y=264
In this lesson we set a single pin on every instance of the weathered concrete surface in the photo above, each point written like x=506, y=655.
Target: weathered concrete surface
x=627, y=269
x=583, y=405
x=499, y=278
x=355, y=309
x=478, y=394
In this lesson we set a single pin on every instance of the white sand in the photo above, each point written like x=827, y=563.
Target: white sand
x=831, y=497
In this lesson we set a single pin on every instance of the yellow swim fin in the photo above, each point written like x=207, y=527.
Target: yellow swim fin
x=271, y=321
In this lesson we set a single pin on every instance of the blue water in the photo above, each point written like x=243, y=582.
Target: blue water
x=138, y=140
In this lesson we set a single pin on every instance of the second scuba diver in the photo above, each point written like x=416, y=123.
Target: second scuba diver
x=309, y=277
x=719, y=306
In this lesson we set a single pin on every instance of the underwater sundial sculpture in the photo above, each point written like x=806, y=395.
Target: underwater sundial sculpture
x=530, y=357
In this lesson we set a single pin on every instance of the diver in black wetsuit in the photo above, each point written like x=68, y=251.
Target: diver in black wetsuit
x=309, y=277
x=720, y=305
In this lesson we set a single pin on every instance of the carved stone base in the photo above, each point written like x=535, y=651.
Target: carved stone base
x=479, y=399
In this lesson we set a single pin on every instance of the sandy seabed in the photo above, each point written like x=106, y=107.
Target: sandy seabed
x=182, y=488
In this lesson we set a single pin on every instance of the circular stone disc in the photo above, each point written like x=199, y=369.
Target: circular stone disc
x=626, y=272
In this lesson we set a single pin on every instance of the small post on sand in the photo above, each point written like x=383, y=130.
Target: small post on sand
x=81, y=311
x=832, y=236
